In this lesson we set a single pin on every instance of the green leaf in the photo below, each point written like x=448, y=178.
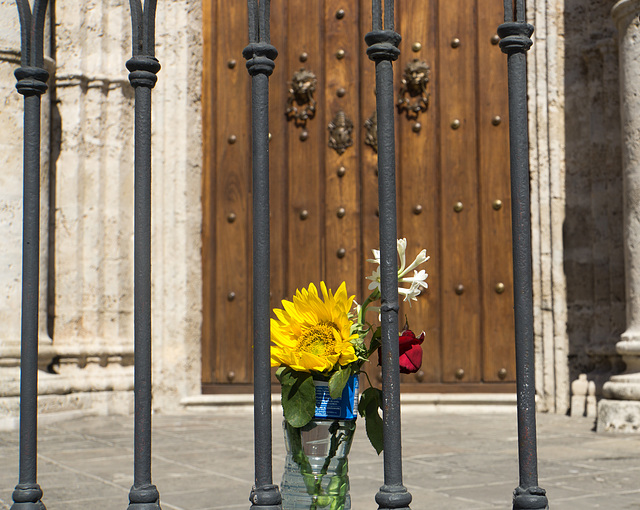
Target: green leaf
x=298, y=397
x=376, y=341
x=339, y=380
x=280, y=371
x=369, y=406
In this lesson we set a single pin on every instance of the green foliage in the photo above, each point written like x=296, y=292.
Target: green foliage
x=298, y=396
x=339, y=380
x=376, y=341
x=369, y=406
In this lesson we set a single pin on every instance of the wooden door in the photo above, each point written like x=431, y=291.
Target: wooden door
x=452, y=177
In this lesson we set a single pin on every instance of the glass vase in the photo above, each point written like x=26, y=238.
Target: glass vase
x=316, y=467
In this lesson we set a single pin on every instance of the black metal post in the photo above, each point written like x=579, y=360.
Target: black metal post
x=260, y=55
x=515, y=36
x=32, y=83
x=383, y=49
x=143, y=67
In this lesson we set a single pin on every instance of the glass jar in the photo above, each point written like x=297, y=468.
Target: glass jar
x=316, y=467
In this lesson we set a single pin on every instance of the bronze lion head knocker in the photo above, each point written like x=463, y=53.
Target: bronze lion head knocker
x=414, y=97
x=301, y=106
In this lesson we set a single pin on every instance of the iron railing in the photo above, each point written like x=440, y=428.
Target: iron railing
x=515, y=34
x=260, y=55
x=143, y=67
x=32, y=83
x=383, y=49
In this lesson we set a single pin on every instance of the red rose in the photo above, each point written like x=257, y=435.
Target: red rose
x=409, y=350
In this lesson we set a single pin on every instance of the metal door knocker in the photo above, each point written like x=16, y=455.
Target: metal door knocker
x=414, y=97
x=301, y=106
x=371, y=137
x=340, y=129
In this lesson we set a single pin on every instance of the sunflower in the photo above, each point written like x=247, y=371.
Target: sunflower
x=313, y=334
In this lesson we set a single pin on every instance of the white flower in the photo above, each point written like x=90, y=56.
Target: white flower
x=402, y=248
x=417, y=281
x=420, y=259
x=375, y=279
x=357, y=307
x=410, y=294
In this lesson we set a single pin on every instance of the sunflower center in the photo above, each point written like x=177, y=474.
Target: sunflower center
x=318, y=339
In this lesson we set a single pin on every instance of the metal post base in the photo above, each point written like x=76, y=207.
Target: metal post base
x=27, y=496
x=532, y=498
x=145, y=497
x=393, y=497
x=266, y=497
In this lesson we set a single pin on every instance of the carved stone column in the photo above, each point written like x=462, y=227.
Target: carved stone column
x=11, y=210
x=620, y=410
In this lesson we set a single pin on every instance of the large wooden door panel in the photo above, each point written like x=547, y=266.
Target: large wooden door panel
x=498, y=331
x=342, y=203
x=305, y=149
x=418, y=176
x=459, y=180
x=226, y=249
x=452, y=172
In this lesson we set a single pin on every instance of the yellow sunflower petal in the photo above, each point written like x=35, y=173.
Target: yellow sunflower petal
x=312, y=333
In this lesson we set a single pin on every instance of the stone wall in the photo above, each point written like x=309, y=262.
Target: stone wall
x=87, y=262
x=593, y=229
x=576, y=195
x=11, y=122
x=545, y=69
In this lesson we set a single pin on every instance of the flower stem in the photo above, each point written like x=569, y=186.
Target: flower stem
x=374, y=296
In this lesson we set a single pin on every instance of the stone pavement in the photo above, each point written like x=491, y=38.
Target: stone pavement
x=204, y=461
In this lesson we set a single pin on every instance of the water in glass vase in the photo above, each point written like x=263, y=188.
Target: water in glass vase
x=315, y=472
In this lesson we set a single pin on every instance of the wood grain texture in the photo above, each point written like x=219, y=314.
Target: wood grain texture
x=208, y=177
x=436, y=167
x=278, y=150
x=461, y=313
x=419, y=183
x=232, y=196
x=498, y=335
x=367, y=169
x=278, y=175
x=305, y=160
x=341, y=200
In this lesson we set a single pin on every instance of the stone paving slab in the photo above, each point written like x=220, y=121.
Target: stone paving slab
x=204, y=461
